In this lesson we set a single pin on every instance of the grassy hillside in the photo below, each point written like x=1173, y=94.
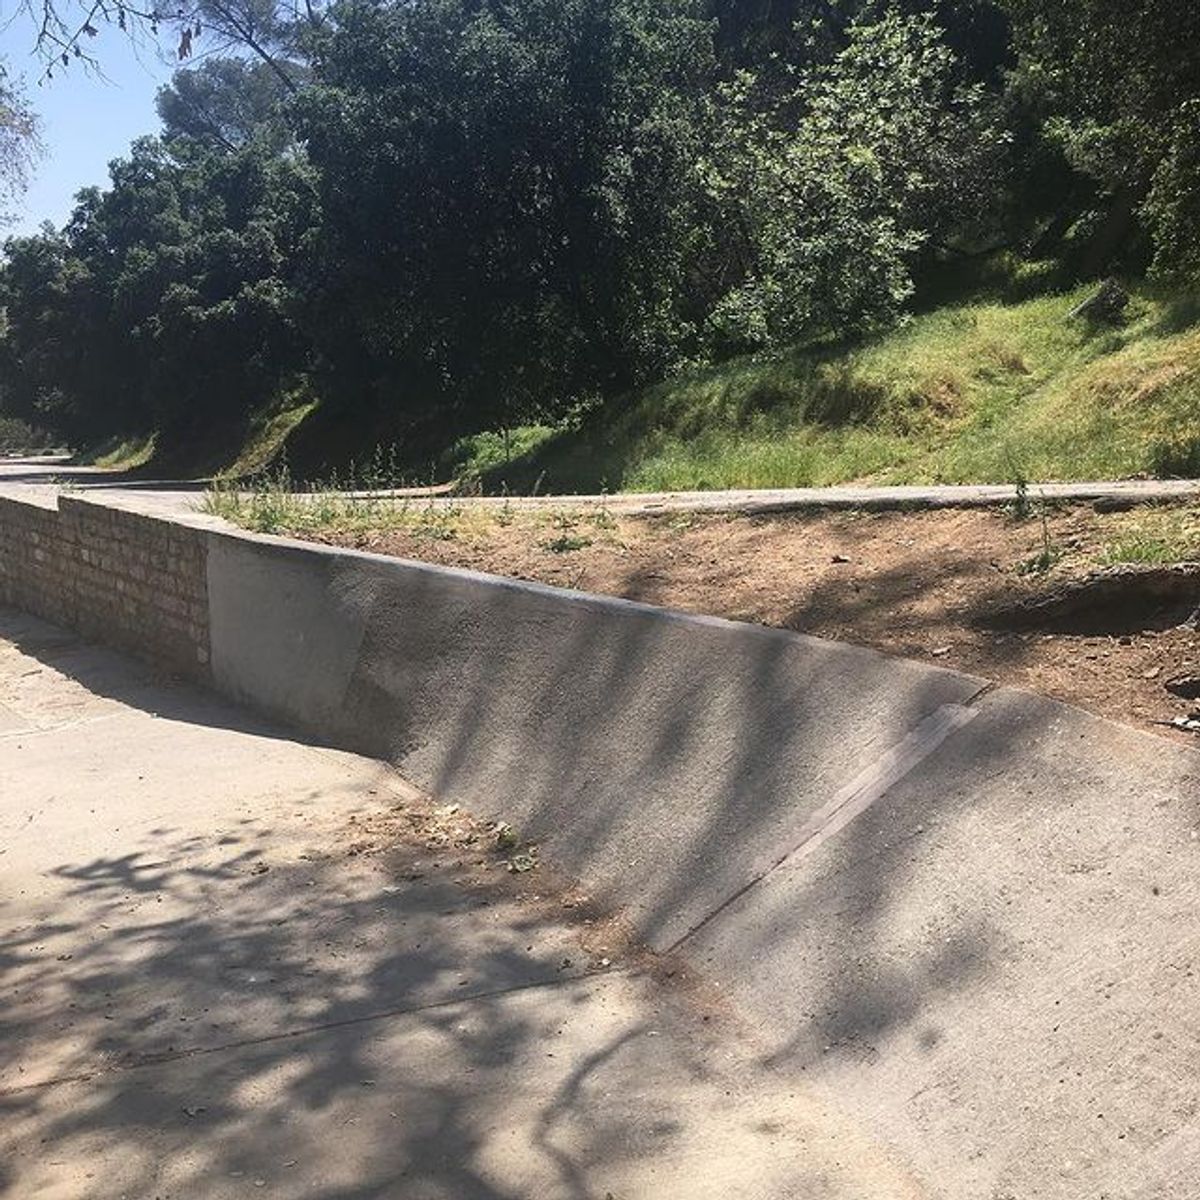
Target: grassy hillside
x=970, y=392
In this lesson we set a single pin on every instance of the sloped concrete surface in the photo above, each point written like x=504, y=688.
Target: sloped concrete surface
x=997, y=965
x=204, y=994
x=666, y=760
x=966, y=917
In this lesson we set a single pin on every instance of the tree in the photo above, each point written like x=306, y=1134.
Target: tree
x=831, y=186
x=1117, y=85
x=222, y=104
x=274, y=32
x=19, y=144
x=508, y=197
x=168, y=302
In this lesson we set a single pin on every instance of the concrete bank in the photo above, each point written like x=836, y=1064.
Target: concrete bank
x=212, y=990
x=966, y=916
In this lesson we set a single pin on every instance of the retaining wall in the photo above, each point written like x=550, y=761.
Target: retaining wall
x=134, y=581
x=967, y=917
x=627, y=739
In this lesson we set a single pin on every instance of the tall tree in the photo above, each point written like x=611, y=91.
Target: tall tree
x=222, y=104
x=1118, y=85
x=509, y=204
x=19, y=142
x=168, y=302
x=832, y=185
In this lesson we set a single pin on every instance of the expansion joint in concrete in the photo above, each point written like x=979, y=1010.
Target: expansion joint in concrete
x=870, y=785
x=143, y=1061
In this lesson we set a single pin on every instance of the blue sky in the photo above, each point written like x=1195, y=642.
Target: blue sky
x=86, y=120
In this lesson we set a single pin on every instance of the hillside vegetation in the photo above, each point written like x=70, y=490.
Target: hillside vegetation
x=966, y=393
x=635, y=243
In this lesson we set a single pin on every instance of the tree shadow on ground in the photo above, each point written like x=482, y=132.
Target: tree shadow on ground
x=197, y=1018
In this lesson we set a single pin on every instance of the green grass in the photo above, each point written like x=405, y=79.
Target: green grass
x=973, y=392
x=120, y=453
x=1155, y=536
x=268, y=431
x=272, y=502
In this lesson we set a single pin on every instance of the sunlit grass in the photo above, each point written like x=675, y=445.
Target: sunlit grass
x=268, y=432
x=121, y=453
x=980, y=392
x=273, y=502
x=1154, y=536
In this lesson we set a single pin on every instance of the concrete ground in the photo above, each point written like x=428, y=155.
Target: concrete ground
x=42, y=478
x=211, y=989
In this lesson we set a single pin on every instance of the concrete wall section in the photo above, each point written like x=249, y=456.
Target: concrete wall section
x=628, y=740
x=131, y=580
x=995, y=964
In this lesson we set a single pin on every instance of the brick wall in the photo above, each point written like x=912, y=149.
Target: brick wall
x=120, y=577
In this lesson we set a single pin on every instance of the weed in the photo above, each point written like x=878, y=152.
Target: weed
x=1176, y=456
x=566, y=543
x=1139, y=548
x=1046, y=557
x=1022, y=510
x=602, y=517
x=438, y=524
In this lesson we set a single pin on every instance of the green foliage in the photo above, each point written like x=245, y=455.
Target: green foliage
x=979, y=392
x=509, y=220
x=1154, y=536
x=1172, y=207
x=167, y=303
x=17, y=436
x=831, y=186
x=485, y=224
x=1117, y=85
x=223, y=104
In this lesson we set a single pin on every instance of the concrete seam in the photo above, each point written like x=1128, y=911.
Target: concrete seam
x=158, y=1060
x=871, y=784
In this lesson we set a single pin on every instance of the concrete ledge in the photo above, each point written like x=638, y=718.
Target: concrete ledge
x=965, y=916
x=664, y=758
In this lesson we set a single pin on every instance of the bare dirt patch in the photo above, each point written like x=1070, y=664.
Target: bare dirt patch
x=973, y=590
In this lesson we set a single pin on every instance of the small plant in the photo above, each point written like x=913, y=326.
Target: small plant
x=438, y=524
x=566, y=543
x=568, y=540
x=602, y=517
x=504, y=515
x=1139, y=548
x=1046, y=557
x=1022, y=509
x=506, y=836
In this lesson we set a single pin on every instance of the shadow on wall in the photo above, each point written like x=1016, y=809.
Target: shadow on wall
x=200, y=1015
x=667, y=762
